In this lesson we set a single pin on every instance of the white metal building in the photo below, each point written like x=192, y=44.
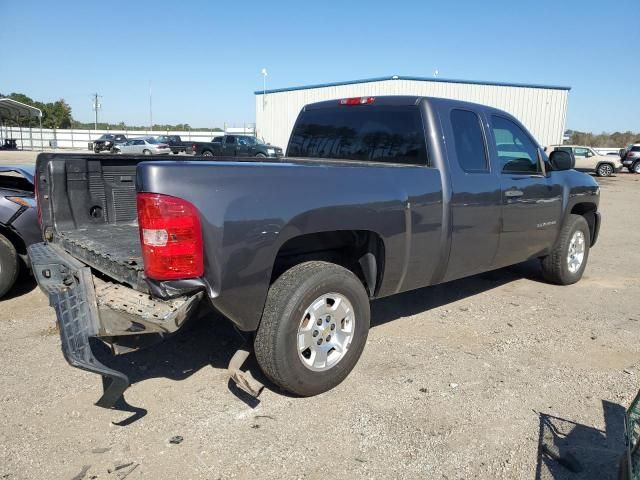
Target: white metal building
x=542, y=108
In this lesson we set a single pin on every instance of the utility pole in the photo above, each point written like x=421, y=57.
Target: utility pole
x=150, y=109
x=96, y=106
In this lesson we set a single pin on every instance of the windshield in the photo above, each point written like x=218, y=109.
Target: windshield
x=106, y=137
x=151, y=140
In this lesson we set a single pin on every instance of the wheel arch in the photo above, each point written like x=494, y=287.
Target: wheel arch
x=588, y=210
x=361, y=251
x=15, y=239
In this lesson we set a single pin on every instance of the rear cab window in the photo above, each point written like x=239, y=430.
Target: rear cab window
x=368, y=133
x=469, y=141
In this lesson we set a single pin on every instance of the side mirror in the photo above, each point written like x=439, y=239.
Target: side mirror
x=589, y=154
x=562, y=160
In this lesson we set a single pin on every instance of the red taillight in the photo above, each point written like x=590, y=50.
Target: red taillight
x=171, y=237
x=356, y=101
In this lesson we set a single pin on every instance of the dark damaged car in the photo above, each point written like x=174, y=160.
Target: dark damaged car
x=18, y=222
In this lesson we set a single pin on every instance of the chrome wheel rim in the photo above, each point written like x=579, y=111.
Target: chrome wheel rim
x=636, y=167
x=207, y=154
x=325, y=332
x=606, y=170
x=576, y=251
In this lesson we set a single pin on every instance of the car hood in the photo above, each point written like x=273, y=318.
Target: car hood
x=27, y=171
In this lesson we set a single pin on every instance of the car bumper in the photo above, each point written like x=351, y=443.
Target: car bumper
x=166, y=151
x=87, y=307
x=629, y=163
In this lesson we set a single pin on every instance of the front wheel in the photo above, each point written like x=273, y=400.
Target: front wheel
x=146, y=152
x=313, y=329
x=604, y=170
x=566, y=263
x=636, y=167
x=261, y=155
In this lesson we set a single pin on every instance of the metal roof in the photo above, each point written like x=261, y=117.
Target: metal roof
x=12, y=109
x=420, y=79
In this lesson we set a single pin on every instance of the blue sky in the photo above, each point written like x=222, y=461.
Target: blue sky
x=204, y=58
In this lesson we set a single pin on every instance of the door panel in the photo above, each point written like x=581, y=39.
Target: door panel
x=531, y=200
x=475, y=200
x=582, y=162
x=532, y=205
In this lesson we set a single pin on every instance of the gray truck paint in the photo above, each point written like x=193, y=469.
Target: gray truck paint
x=436, y=222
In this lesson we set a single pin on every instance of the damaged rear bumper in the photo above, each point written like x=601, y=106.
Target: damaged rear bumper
x=87, y=306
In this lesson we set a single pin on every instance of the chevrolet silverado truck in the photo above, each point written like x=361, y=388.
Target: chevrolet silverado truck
x=377, y=196
x=235, y=146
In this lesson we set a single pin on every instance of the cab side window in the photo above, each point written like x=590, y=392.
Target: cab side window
x=516, y=151
x=230, y=141
x=469, y=141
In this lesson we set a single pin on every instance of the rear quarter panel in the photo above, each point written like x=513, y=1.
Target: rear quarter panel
x=249, y=210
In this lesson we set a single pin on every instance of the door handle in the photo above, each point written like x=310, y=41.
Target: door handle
x=513, y=193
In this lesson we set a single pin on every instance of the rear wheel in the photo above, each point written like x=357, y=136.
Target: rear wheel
x=604, y=170
x=566, y=263
x=9, y=265
x=207, y=153
x=313, y=329
x=636, y=167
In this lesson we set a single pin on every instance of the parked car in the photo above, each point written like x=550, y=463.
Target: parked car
x=236, y=146
x=18, y=222
x=175, y=143
x=588, y=160
x=631, y=158
x=143, y=146
x=108, y=141
x=377, y=196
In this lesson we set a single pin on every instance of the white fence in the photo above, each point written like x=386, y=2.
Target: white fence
x=35, y=139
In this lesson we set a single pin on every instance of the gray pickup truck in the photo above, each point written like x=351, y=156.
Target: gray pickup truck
x=376, y=196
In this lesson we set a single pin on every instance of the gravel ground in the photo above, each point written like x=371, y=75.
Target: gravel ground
x=477, y=378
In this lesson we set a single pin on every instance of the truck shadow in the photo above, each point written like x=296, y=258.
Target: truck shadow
x=212, y=341
x=416, y=301
x=568, y=450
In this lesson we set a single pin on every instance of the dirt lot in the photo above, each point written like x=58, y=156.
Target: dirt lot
x=471, y=379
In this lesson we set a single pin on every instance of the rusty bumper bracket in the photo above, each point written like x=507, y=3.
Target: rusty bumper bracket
x=243, y=380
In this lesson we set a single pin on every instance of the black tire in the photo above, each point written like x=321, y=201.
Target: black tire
x=9, y=265
x=276, y=339
x=630, y=169
x=261, y=155
x=604, y=170
x=207, y=153
x=636, y=167
x=96, y=150
x=146, y=152
x=555, y=268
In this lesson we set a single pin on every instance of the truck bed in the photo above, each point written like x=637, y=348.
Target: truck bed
x=93, y=200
